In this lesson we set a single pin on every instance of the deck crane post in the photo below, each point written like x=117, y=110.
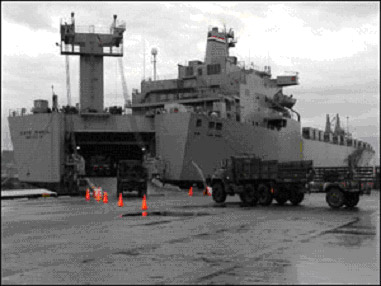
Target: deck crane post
x=127, y=100
x=68, y=88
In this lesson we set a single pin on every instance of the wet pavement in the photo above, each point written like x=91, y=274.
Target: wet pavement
x=187, y=240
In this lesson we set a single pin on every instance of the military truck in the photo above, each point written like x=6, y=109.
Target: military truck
x=258, y=181
x=99, y=165
x=131, y=176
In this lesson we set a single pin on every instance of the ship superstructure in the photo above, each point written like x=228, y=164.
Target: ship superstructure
x=214, y=109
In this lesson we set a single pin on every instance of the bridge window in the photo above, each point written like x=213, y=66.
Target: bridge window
x=188, y=71
x=199, y=71
x=198, y=123
x=306, y=133
x=213, y=69
x=219, y=126
x=211, y=125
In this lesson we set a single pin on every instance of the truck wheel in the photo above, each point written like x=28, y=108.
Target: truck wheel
x=335, y=198
x=249, y=196
x=218, y=194
x=265, y=197
x=282, y=196
x=296, y=197
x=351, y=199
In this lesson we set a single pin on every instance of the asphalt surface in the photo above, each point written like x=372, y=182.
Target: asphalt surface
x=187, y=240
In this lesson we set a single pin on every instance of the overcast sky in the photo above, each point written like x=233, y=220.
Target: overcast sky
x=333, y=45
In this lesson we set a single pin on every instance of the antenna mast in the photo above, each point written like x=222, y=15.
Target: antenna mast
x=154, y=53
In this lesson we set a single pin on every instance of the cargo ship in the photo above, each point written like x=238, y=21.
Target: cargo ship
x=214, y=109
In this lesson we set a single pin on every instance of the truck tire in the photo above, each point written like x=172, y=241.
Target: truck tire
x=296, y=196
x=218, y=194
x=351, y=199
x=265, y=196
x=282, y=196
x=335, y=198
x=249, y=195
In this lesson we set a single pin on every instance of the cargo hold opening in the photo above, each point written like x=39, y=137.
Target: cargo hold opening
x=103, y=150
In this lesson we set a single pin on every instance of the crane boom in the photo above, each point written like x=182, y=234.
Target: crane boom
x=127, y=101
x=68, y=89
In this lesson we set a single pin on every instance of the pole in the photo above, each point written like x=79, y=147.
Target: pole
x=347, y=137
x=154, y=67
x=144, y=59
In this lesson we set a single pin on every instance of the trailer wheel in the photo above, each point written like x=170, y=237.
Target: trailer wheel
x=296, y=197
x=351, y=199
x=218, y=194
x=249, y=195
x=335, y=198
x=265, y=197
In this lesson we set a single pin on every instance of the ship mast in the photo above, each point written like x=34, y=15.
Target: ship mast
x=91, y=47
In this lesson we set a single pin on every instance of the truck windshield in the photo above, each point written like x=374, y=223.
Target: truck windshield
x=127, y=168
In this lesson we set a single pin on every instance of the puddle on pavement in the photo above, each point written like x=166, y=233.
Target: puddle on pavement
x=132, y=252
x=168, y=213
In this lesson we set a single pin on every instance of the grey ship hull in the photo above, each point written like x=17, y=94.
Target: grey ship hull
x=331, y=155
x=39, y=142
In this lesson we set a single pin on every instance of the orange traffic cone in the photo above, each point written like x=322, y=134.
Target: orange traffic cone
x=105, y=198
x=120, y=202
x=190, y=191
x=87, y=195
x=99, y=195
x=144, y=203
x=144, y=206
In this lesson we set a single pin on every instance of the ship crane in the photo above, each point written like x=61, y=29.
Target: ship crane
x=127, y=100
x=67, y=68
x=68, y=88
x=335, y=125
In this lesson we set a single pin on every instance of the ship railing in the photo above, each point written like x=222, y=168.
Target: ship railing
x=252, y=66
x=161, y=77
x=18, y=112
x=290, y=73
x=93, y=29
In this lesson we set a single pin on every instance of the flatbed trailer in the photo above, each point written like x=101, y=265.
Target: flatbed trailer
x=342, y=185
